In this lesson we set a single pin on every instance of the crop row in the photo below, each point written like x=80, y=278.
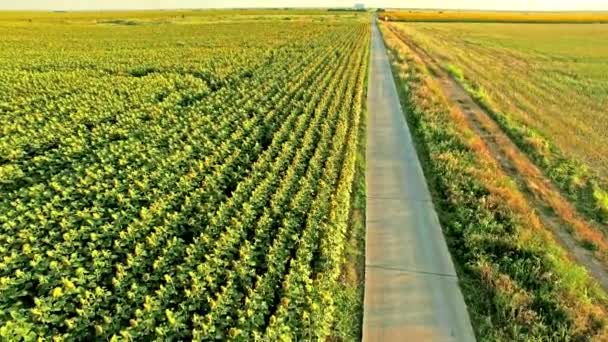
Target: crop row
x=192, y=204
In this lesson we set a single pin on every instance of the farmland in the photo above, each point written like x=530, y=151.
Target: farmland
x=543, y=79
x=459, y=16
x=171, y=175
x=508, y=127
x=204, y=175
x=547, y=92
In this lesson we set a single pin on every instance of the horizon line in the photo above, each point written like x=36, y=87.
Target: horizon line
x=292, y=7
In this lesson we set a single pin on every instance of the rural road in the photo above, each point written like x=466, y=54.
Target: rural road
x=411, y=287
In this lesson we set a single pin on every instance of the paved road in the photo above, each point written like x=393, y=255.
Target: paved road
x=411, y=288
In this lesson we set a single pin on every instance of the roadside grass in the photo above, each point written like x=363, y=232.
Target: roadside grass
x=519, y=284
x=549, y=97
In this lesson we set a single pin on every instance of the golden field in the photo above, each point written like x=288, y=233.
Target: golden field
x=499, y=17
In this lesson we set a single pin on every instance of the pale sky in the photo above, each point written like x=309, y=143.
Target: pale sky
x=526, y=5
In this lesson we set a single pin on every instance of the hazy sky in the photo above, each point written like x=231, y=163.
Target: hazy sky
x=150, y=4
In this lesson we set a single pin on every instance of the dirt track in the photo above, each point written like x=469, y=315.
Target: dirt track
x=411, y=288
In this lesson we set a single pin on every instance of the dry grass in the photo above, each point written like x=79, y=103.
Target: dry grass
x=553, y=78
x=496, y=17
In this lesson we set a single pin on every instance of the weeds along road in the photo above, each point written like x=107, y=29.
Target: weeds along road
x=411, y=287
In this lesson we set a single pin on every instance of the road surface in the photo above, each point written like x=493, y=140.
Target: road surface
x=411, y=287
